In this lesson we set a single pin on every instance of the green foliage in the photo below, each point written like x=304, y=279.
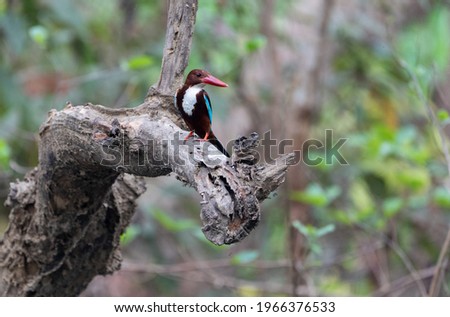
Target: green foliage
x=39, y=34
x=52, y=51
x=441, y=196
x=443, y=117
x=227, y=27
x=129, y=235
x=315, y=195
x=244, y=257
x=425, y=47
x=5, y=152
x=254, y=44
x=335, y=287
x=313, y=234
x=138, y=62
x=391, y=206
x=172, y=224
x=397, y=170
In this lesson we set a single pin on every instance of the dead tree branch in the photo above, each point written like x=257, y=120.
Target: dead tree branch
x=67, y=215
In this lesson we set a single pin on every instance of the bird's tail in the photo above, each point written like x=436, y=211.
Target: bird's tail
x=214, y=141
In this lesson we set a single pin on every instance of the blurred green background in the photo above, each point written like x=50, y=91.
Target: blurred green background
x=376, y=73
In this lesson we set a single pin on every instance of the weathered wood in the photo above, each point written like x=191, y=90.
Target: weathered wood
x=180, y=28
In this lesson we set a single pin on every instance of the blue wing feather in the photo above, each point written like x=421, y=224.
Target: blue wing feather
x=208, y=106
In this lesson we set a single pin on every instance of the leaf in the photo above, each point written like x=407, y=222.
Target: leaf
x=392, y=206
x=171, y=224
x=39, y=35
x=325, y=230
x=129, y=235
x=414, y=178
x=255, y=43
x=361, y=198
x=333, y=192
x=315, y=248
x=313, y=234
x=5, y=152
x=424, y=48
x=311, y=231
x=139, y=62
x=313, y=195
x=443, y=115
x=244, y=257
x=441, y=196
x=344, y=217
x=307, y=230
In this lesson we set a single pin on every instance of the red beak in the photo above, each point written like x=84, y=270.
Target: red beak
x=211, y=80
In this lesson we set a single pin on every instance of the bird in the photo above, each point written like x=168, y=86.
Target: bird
x=195, y=106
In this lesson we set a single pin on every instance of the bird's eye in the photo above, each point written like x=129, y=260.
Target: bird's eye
x=199, y=74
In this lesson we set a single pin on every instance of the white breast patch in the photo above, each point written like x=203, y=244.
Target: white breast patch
x=190, y=99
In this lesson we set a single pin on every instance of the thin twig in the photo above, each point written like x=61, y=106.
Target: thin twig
x=191, y=271
x=403, y=257
x=440, y=267
x=431, y=114
x=409, y=266
x=153, y=268
x=198, y=265
x=404, y=282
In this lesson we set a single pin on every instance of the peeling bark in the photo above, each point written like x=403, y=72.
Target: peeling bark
x=67, y=215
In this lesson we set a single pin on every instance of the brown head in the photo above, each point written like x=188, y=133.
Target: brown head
x=199, y=76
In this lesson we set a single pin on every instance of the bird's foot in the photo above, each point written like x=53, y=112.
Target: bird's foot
x=205, y=138
x=188, y=136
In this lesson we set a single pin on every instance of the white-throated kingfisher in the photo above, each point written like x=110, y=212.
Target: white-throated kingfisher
x=195, y=106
